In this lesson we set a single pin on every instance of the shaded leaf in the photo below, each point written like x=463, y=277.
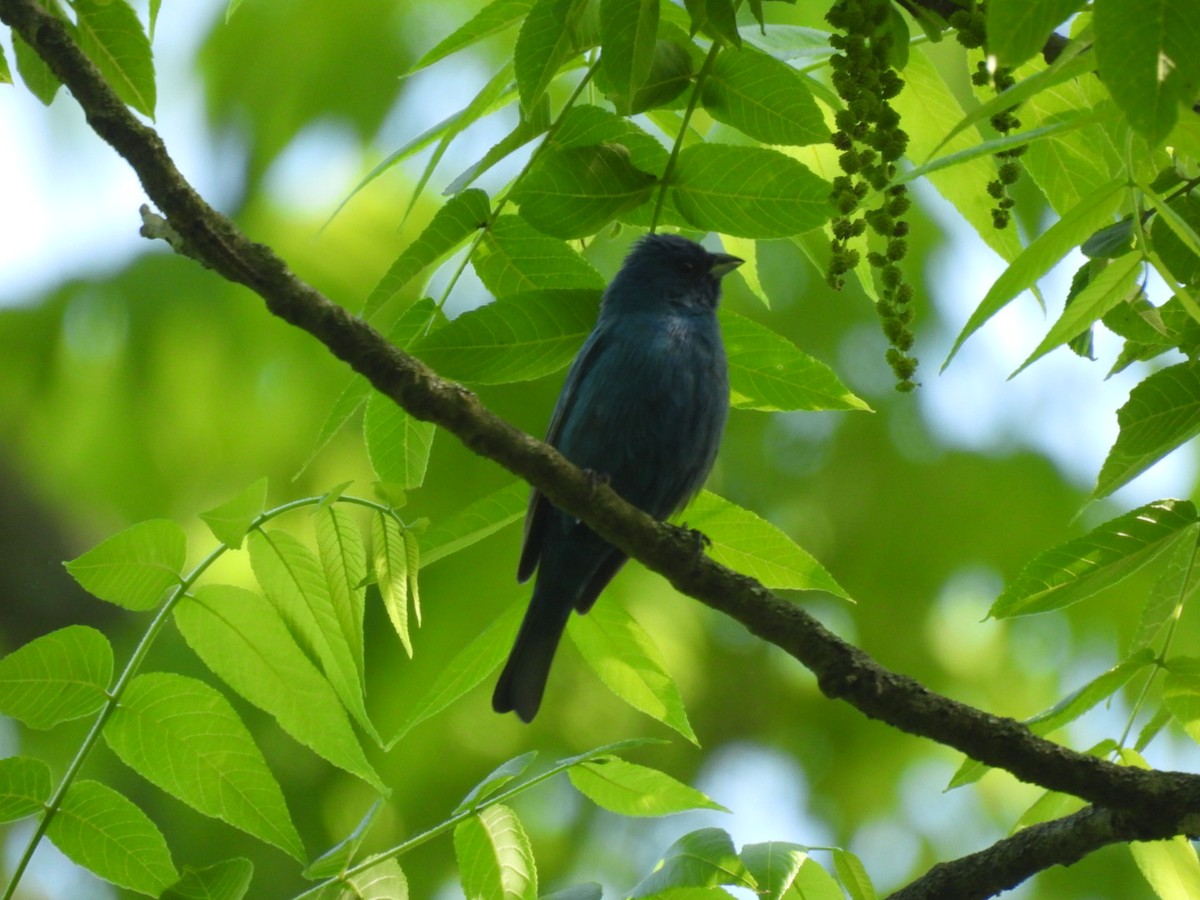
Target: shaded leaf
x=517, y=338
x=492, y=19
x=109, y=32
x=454, y=222
x=628, y=34
x=774, y=865
x=1016, y=31
x=531, y=125
x=496, y=779
x=1162, y=412
x=38, y=77
x=391, y=573
x=547, y=40
x=57, y=677
x=574, y=192
x=338, y=857
x=750, y=192
x=764, y=98
x=514, y=257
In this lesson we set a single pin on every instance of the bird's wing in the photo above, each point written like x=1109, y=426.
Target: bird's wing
x=539, y=510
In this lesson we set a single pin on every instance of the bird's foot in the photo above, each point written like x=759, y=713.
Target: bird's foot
x=701, y=540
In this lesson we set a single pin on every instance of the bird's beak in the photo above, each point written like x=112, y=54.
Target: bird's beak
x=723, y=264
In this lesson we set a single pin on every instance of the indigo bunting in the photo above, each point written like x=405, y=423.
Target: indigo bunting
x=643, y=407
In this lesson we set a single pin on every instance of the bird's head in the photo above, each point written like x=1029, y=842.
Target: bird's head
x=666, y=270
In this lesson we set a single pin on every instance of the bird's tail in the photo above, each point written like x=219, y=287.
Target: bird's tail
x=523, y=680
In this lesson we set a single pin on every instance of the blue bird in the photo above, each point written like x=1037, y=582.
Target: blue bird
x=643, y=407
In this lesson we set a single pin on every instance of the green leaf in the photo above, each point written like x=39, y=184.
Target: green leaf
x=38, y=77
x=1146, y=53
x=774, y=865
x=135, y=566
x=1091, y=694
x=1108, y=553
x=628, y=34
x=588, y=890
x=383, y=881
x=671, y=69
x=927, y=99
x=109, y=32
x=344, y=561
x=230, y=521
x=184, y=737
x=338, y=857
x=749, y=192
x=514, y=258
x=398, y=444
x=293, y=581
x=573, y=193
x=5, y=72
x=57, y=677
x=747, y=543
x=1103, y=292
x=546, y=41
x=703, y=858
x=495, y=859
x=391, y=573
x=1042, y=255
x=531, y=125
x=627, y=661
x=243, y=639
x=629, y=31
x=632, y=790
x=104, y=832
x=1174, y=237
x=767, y=372
x=466, y=669
x=853, y=875
x=497, y=16
x=716, y=18
x=1016, y=31
x=1181, y=693
x=24, y=787
x=496, y=779
x=228, y=879
x=518, y=338
x=453, y=223
x=1175, y=588
x=1162, y=413
x=764, y=98
x=478, y=520
x=1171, y=867
x=585, y=125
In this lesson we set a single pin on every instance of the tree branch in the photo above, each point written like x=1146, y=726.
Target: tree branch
x=1005, y=864
x=1152, y=804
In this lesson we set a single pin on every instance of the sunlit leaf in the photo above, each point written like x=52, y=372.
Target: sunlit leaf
x=703, y=858
x=398, y=444
x=243, y=639
x=24, y=787
x=496, y=779
x=764, y=98
x=103, y=831
x=632, y=790
x=478, y=520
x=626, y=659
x=57, y=677
x=547, y=39
x=514, y=258
x=225, y=880
x=492, y=19
x=135, y=566
x=750, y=544
x=230, y=521
x=1101, y=558
x=494, y=856
x=391, y=573
x=185, y=737
x=109, y=32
